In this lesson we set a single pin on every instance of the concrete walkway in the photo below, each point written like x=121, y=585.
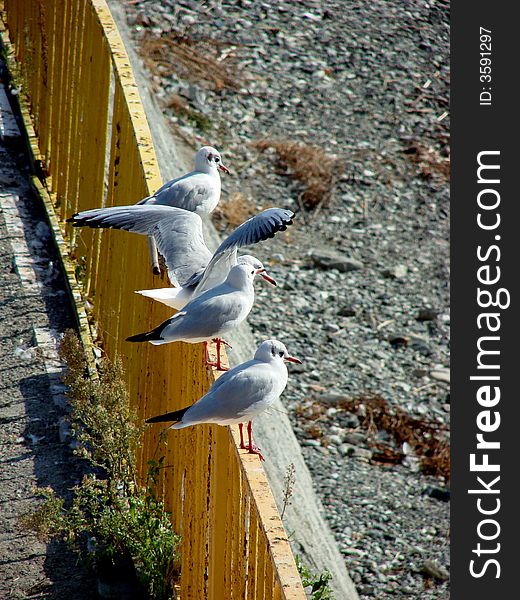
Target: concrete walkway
x=34, y=310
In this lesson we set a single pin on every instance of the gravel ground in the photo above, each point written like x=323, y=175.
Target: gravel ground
x=364, y=294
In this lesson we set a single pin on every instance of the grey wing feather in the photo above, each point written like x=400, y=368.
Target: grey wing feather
x=136, y=218
x=181, y=242
x=187, y=192
x=218, y=304
x=178, y=233
x=262, y=226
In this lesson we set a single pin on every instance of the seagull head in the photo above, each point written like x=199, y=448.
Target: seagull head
x=273, y=350
x=255, y=265
x=208, y=160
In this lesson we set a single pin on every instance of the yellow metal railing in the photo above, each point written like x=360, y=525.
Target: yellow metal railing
x=80, y=94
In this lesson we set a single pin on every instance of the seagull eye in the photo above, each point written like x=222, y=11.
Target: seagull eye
x=217, y=159
x=252, y=272
x=280, y=353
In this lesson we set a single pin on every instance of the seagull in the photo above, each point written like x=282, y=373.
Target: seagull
x=180, y=240
x=212, y=314
x=197, y=191
x=240, y=394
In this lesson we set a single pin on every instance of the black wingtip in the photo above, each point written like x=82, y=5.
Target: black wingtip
x=174, y=416
x=139, y=337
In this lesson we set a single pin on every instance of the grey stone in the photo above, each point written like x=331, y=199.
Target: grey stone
x=330, y=259
x=433, y=569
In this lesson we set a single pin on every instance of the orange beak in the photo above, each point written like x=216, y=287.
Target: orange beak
x=224, y=169
x=263, y=274
x=293, y=359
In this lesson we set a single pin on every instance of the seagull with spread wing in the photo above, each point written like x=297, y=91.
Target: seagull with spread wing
x=210, y=315
x=179, y=238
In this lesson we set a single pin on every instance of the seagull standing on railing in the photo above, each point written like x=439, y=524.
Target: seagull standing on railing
x=197, y=191
x=180, y=240
x=213, y=313
x=240, y=394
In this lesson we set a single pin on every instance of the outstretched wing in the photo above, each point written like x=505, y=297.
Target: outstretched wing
x=262, y=226
x=178, y=233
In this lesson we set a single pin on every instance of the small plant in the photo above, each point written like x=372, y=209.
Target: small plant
x=288, y=487
x=110, y=509
x=234, y=211
x=427, y=439
x=318, y=584
x=310, y=165
x=206, y=62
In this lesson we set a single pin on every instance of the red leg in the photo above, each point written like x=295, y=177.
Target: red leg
x=242, y=445
x=219, y=364
x=252, y=448
x=209, y=363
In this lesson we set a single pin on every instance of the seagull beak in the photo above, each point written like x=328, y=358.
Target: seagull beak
x=292, y=359
x=263, y=274
x=224, y=169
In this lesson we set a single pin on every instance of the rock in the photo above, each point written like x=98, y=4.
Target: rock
x=441, y=375
x=334, y=439
x=421, y=346
x=396, y=272
x=398, y=341
x=346, y=311
x=437, y=493
x=333, y=398
x=427, y=314
x=433, y=569
x=350, y=420
x=330, y=259
x=356, y=438
x=362, y=453
x=346, y=450
x=312, y=443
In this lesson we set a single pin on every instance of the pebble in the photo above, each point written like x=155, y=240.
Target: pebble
x=346, y=311
x=441, y=375
x=330, y=259
x=437, y=493
x=433, y=569
x=427, y=314
x=355, y=438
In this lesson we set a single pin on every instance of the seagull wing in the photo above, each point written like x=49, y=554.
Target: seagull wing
x=178, y=233
x=262, y=226
x=236, y=396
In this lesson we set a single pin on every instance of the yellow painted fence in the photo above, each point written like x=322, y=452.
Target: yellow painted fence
x=88, y=129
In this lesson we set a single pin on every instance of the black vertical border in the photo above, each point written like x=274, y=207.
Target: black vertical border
x=476, y=128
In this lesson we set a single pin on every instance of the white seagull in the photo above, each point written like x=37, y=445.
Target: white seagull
x=212, y=314
x=180, y=240
x=197, y=191
x=240, y=394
